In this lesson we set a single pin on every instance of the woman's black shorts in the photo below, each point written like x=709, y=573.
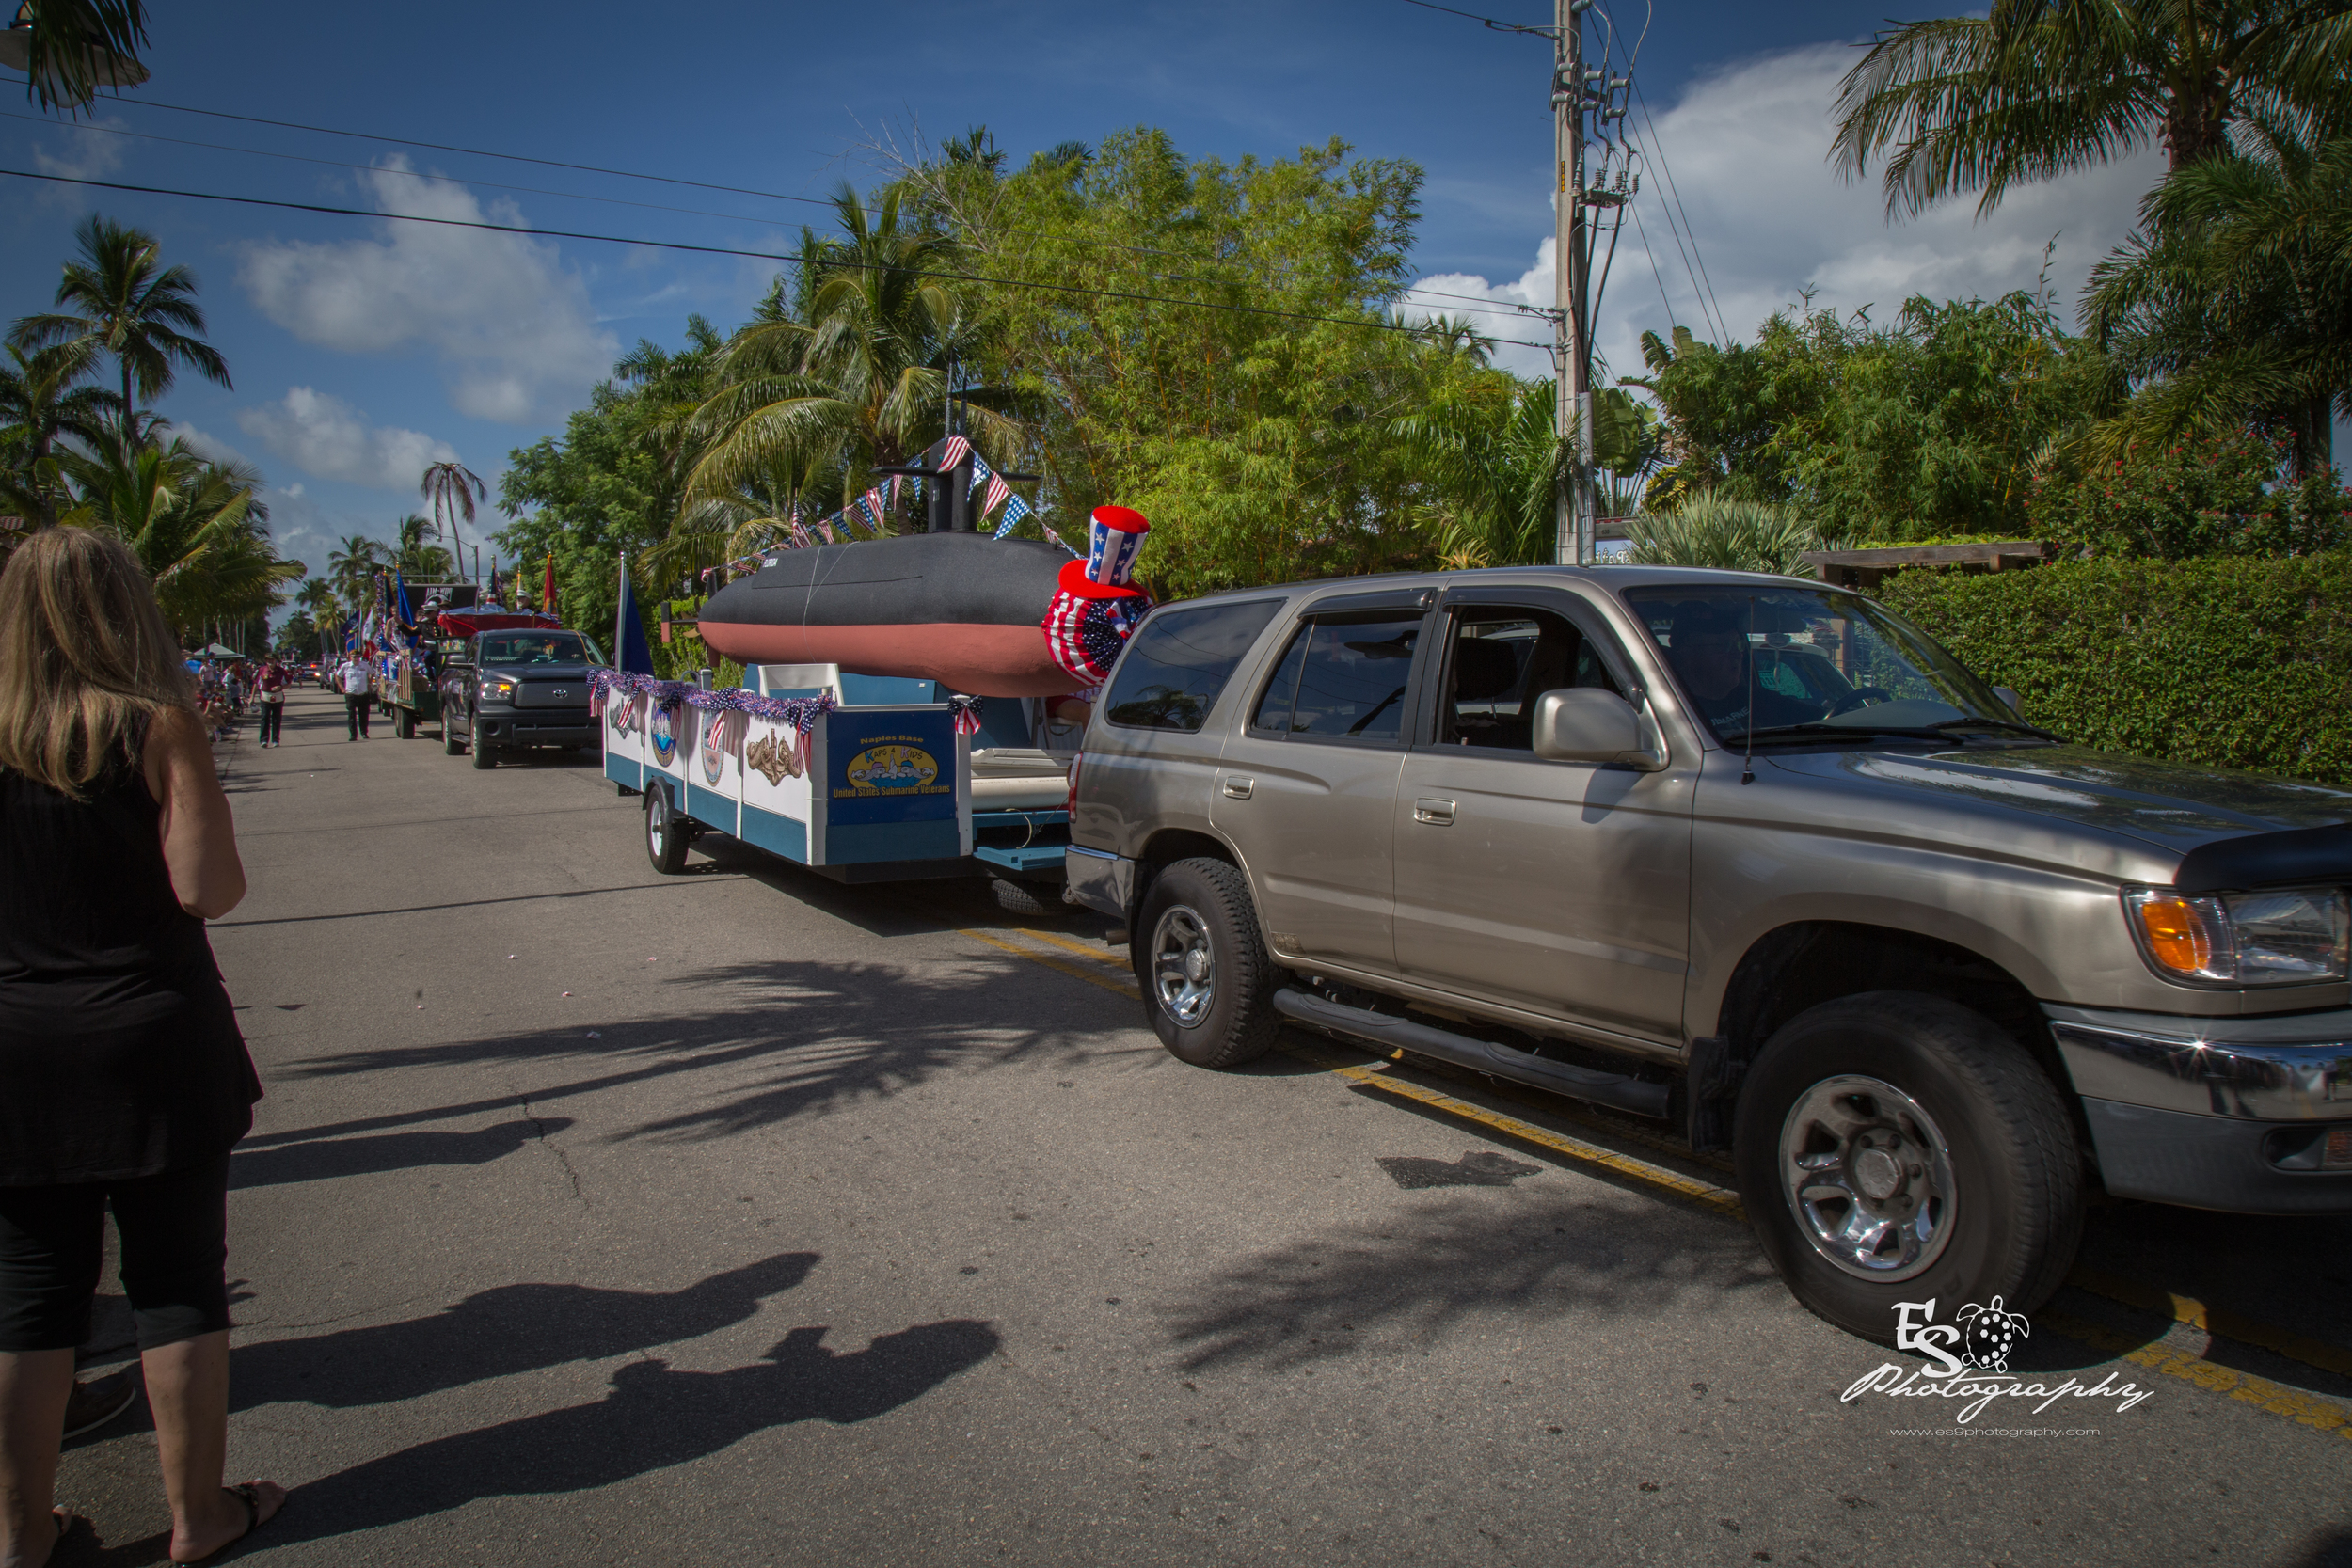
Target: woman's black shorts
x=174, y=1227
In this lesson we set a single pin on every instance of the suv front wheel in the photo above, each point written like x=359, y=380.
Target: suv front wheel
x=1208, y=985
x=1893, y=1147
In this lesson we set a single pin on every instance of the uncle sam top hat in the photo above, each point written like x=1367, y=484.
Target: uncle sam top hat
x=1115, y=537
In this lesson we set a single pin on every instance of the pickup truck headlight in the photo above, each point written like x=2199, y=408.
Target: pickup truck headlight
x=2289, y=937
x=497, y=688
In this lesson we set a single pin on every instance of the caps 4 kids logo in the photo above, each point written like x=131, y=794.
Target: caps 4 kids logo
x=1967, y=1359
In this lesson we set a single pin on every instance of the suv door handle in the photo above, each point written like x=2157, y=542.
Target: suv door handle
x=1238, y=789
x=1438, y=814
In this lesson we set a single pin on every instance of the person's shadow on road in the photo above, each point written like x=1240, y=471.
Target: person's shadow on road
x=654, y=1418
x=511, y=1328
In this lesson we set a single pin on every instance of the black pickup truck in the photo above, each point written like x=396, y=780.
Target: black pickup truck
x=503, y=691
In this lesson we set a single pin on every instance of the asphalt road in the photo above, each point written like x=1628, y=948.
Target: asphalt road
x=597, y=1216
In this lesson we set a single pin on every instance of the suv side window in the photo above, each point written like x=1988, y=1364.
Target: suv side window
x=1501, y=658
x=1342, y=679
x=1179, y=661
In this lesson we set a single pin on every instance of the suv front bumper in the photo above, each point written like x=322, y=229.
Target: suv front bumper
x=2233, y=1114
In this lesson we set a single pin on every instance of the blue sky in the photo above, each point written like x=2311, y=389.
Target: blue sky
x=362, y=349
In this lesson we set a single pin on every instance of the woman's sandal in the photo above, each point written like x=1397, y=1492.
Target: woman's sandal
x=244, y=1492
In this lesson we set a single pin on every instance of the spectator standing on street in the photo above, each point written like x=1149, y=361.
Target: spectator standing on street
x=354, y=679
x=123, y=1078
x=271, y=691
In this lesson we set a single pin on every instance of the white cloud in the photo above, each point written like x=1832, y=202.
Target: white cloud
x=1748, y=150
x=513, y=328
x=327, y=437
x=205, y=442
x=89, y=152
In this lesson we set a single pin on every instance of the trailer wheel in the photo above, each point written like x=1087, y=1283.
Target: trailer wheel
x=406, y=726
x=1016, y=897
x=666, y=835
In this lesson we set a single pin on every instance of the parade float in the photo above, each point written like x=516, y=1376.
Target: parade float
x=911, y=701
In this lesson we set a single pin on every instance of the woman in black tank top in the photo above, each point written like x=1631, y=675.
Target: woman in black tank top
x=123, y=1078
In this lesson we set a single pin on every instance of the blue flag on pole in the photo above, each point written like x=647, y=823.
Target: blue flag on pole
x=631, y=652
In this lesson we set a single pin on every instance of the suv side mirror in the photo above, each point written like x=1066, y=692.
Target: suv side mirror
x=1588, y=724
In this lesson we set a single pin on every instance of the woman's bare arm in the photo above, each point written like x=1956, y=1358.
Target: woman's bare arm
x=199, y=834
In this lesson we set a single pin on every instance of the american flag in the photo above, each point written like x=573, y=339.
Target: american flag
x=825, y=528
x=800, y=539
x=1058, y=539
x=878, y=507
x=955, y=451
x=1015, y=509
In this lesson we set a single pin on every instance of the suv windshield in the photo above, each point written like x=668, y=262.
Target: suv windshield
x=1799, y=662
x=536, y=647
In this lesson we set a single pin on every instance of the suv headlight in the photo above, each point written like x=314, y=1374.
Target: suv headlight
x=497, y=688
x=2286, y=937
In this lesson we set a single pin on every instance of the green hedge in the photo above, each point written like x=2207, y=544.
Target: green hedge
x=2232, y=662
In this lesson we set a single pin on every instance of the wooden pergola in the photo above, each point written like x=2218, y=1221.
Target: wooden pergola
x=1866, y=569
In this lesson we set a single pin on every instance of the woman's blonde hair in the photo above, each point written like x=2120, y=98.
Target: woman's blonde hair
x=85, y=657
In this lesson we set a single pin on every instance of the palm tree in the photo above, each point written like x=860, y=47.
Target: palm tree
x=2236, y=303
x=40, y=404
x=862, y=378
x=143, y=314
x=193, y=523
x=1721, y=531
x=414, y=555
x=453, y=488
x=2043, y=87
x=75, y=47
x=351, y=566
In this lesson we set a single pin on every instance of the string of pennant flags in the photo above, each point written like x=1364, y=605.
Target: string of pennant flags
x=800, y=713
x=868, y=515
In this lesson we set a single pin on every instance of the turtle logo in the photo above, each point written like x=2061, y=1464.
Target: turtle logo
x=1989, y=1333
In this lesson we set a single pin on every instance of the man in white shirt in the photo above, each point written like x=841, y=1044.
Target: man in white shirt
x=353, y=679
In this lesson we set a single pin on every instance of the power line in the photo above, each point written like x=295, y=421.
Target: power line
x=1658, y=147
x=1473, y=16
x=378, y=168
x=730, y=250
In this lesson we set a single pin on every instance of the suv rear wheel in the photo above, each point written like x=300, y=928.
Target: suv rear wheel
x=1208, y=985
x=1896, y=1146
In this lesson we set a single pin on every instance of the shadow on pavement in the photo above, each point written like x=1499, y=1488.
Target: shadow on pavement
x=812, y=1036
x=1382, y=1287
x=324, y=1158
x=494, y=1333
x=654, y=1418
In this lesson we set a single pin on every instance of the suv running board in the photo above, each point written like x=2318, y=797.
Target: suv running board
x=1601, y=1088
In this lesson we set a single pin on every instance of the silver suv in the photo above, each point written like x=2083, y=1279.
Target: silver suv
x=1750, y=856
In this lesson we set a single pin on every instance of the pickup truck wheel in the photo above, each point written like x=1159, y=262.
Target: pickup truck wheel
x=484, y=754
x=1896, y=1146
x=1208, y=985
x=666, y=835
x=451, y=746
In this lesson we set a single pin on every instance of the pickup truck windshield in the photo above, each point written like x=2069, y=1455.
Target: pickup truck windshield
x=536, y=647
x=1808, y=663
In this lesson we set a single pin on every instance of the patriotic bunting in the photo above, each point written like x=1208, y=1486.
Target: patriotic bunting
x=1015, y=509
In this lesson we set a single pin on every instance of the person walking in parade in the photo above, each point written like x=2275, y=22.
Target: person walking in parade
x=270, y=689
x=354, y=679
x=123, y=1078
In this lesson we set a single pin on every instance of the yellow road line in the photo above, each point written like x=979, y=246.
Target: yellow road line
x=1049, y=961
x=1097, y=955
x=1722, y=1200
x=2217, y=1320
x=2305, y=1409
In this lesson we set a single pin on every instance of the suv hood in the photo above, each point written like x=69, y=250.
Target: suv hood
x=2172, y=806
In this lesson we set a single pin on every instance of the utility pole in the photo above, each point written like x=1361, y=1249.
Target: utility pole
x=1572, y=353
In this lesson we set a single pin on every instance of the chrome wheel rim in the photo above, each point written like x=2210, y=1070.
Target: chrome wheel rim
x=656, y=821
x=1184, y=966
x=1868, y=1176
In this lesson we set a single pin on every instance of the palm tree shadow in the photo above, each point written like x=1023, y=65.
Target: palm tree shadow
x=654, y=1418
x=325, y=1158
x=494, y=1333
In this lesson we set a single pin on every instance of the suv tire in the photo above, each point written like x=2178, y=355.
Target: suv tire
x=1208, y=985
x=1900, y=1109
x=666, y=833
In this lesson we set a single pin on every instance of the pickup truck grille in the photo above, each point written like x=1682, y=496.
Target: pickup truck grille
x=540, y=692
